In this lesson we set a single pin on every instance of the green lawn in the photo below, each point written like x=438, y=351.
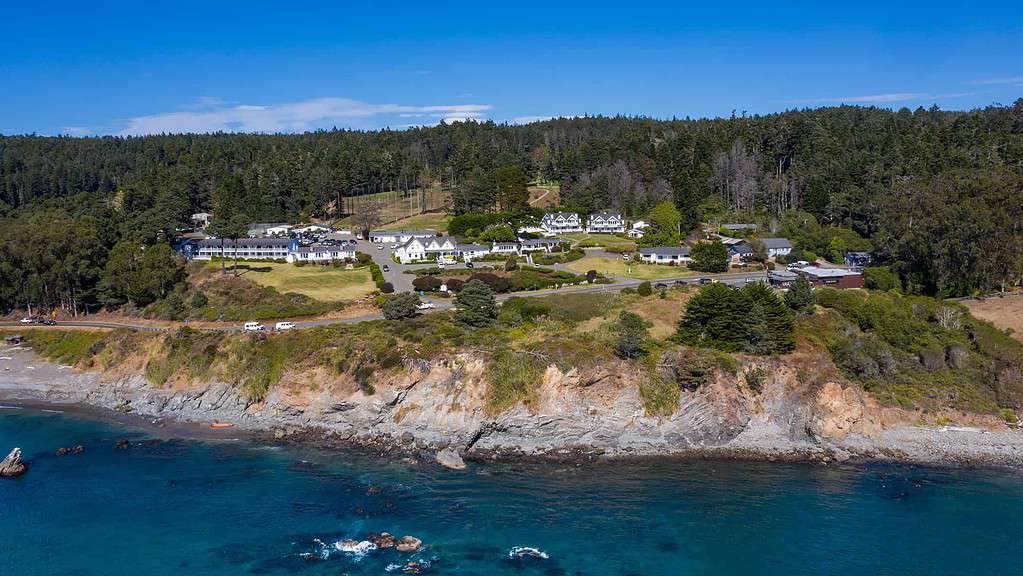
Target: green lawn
x=432, y=221
x=324, y=283
x=620, y=269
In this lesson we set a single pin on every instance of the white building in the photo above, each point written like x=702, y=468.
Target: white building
x=777, y=247
x=666, y=255
x=541, y=245
x=505, y=248
x=247, y=249
x=561, y=222
x=470, y=252
x=636, y=233
x=440, y=246
x=605, y=222
x=320, y=254
x=310, y=228
x=398, y=236
x=413, y=250
x=201, y=219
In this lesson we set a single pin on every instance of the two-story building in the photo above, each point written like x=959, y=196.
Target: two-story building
x=321, y=254
x=776, y=247
x=246, y=248
x=561, y=222
x=605, y=222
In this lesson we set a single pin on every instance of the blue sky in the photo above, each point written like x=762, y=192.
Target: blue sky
x=101, y=67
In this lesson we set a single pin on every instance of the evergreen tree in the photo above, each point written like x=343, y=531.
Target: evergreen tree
x=475, y=304
x=800, y=295
x=511, y=188
x=401, y=306
x=710, y=257
x=631, y=338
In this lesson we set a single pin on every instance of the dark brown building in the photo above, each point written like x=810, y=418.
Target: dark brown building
x=832, y=277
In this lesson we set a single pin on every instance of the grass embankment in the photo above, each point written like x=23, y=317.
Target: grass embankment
x=586, y=240
x=918, y=352
x=324, y=283
x=621, y=269
x=211, y=296
x=911, y=352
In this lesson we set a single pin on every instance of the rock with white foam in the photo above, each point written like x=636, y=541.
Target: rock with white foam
x=13, y=465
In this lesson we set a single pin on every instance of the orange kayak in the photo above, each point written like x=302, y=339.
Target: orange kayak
x=221, y=425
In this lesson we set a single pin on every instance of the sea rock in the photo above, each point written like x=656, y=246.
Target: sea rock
x=75, y=450
x=122, y=444
x=449, y=458
x=382, y=540
x=408, y=544
x=13, y=465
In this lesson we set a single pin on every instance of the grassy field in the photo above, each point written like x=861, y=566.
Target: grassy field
x=394, y=205
x=598, y=239
x=432, y=221
x=544, y=195
x=1005, y=313
x=324, y=283
x=621, y=269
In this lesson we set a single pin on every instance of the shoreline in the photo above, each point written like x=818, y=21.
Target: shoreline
x=32, y=383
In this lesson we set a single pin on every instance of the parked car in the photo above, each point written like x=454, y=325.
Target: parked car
x=425, y=305
x=705, y=280
x=29, y=320
x=254, y=327
x=468, y=265
x=386, y=268
x=282, y=326
x=49, y=322
x=660, y=285
x=380, y=246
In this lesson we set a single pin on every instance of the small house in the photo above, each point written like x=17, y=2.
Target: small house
x=470, y=252
x=201, y=219
x=676, y=255
x=505, y=248
x=741, y=252
x=858, y=259
x=413, y=250
x=776, y=247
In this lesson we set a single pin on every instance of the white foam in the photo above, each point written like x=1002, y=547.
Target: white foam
x=355, y=548
x=521, y=552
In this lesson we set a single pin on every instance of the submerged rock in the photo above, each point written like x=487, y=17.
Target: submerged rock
x=122, y=444
x=449, y=458
x=408, y=544
x=13, y=465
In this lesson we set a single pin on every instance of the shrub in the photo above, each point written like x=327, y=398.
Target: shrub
x=387, y=288
x=710, y=257
x=496, y=283
x=644, y=289
x=800, y=295
x=591, y=276
x=755, y=378
x=401, y=306
x=475, y=304
x=881, y=278
x=454, y=284
x=511, y=265
x=631, y=335
x=427, y=283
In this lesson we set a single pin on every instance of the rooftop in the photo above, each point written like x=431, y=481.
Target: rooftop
x=776, y=243
x=819, y=272
x=669, y=250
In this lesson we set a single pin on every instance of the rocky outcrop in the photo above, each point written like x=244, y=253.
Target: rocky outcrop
x=449, y=458
x=13, y=465
x=408, y=544
x=439, y=406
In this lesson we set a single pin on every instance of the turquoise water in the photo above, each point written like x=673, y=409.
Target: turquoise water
x=232, y=507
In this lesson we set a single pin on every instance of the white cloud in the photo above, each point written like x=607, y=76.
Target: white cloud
x=289, y=117
x=882, y=98
x=76, y=131
x=1015, y=80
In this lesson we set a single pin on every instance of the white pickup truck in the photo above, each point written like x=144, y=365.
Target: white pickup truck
x=254, y=327
x=425, y=305
x=282, y=326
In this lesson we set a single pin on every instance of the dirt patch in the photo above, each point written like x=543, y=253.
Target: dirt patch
x=1005, y=312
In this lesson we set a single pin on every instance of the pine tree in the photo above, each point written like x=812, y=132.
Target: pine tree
x=475, y=304
x=632, y=335
x=800, y=295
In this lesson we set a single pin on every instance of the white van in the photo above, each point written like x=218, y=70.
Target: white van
x=254, y=327
x=281, y=326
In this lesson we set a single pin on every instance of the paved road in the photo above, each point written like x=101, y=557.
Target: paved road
x=731, y=279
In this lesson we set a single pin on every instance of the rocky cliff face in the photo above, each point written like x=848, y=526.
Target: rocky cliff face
x=441, y=404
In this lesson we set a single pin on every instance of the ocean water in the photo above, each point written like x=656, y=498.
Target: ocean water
x=220, y=507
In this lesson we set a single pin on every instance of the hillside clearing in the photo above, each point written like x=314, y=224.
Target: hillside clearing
x=323, y=283
x=621, y=269
x=1004, y=313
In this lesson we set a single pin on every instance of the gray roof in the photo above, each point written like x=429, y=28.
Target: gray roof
x=607, y=214
x=783, y=275
x=775, y=243
x=562, y=214
x=471, y=247
x=310, y=249
x=541, y=242
x=739, y=226
x=743, y=248
x=248, y=242
x=667, y=250
x=819, y=272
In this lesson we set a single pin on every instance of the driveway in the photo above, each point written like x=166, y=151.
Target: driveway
x=395, y=274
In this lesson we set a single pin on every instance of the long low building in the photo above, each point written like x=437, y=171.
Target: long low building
x=321, y=254
x=246, y=248
x=678, y=255
x=398, y=236
x=832, y=277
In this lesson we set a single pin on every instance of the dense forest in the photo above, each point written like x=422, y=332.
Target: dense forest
x=938, y=194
